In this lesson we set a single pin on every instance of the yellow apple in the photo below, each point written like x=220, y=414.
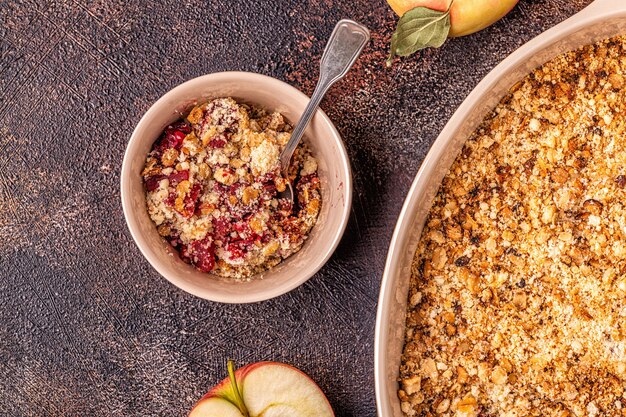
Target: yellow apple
x=466, y=16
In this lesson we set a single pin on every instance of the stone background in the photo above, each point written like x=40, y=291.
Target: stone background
x=87, y=327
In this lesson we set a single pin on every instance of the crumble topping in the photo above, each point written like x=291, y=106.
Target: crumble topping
x=212, y=189
x=517, y=304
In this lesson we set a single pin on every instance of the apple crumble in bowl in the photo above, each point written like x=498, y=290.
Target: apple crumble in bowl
x=517, y=301
x=201, y=201
x=213, y=181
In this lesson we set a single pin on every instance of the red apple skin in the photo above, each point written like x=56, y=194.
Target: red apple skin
x=466, y=16
x=221, y=390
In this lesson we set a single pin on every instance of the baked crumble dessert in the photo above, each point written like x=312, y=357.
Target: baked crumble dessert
x=212, y=182
x=517, y=304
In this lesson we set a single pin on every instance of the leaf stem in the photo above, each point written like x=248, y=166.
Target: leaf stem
x=233, y=383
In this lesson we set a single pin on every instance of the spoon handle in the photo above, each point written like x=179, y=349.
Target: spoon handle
x=343, y=48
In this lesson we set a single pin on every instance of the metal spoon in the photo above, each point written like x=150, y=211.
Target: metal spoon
x=343, y=48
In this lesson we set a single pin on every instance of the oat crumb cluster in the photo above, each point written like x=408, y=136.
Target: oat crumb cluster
x=212, y=188
x=517, y=303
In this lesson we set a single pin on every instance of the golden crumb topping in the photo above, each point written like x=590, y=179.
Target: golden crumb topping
x=517, y=305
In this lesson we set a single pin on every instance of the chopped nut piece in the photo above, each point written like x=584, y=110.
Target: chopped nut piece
x=191, y=144
x=560, y=175
x=616, y=80
x=244, y=154
x=236, y=163
x=473, y=284
x=281, y=185
x=439, y=258
x=271, y=248
x=499, y=376
x=207, y=208
x=164, y=230
x=204, y=171
x=195, y=115
x=520, y=300
x=453, y=231
x=429, y=368
x=169, y=157
x=462, y=376
x=225, y=176
x=151, y=168
x=402, y=395
x=249, y=195
x=468, y=406
x=182, y=189
x=256, y=225
x=412, y=385
x=593, y=206
x=314, y=206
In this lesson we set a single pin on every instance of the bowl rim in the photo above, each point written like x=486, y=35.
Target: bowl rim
x=248, y=296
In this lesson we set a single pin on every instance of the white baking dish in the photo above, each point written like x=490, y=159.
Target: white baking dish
x=602, y=19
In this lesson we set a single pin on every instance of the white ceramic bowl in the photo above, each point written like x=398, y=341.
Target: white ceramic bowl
x=334, y=172
x=602, y=19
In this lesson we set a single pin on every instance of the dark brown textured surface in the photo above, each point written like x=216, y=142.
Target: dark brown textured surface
x=87, y=327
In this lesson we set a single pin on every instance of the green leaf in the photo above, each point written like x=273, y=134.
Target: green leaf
x=238, y=398
x=419, y=28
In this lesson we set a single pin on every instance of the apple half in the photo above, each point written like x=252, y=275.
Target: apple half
x=466, y=16
x=264, y=389
x=428, y=23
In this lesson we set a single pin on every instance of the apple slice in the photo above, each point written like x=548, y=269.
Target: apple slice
x=264, y=389
x=276, y=389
